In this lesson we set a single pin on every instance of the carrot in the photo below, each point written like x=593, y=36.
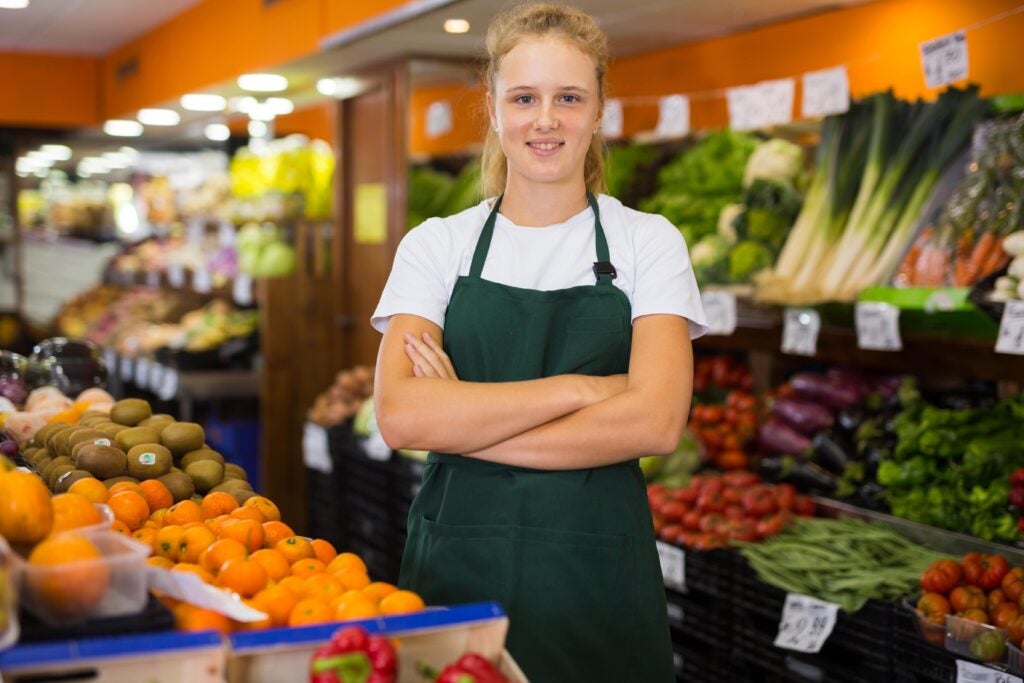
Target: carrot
x=982, y=250
x=931, y=267
x=962, y=257
x=997, y=259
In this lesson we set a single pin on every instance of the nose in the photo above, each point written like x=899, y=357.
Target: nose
x=547, y=118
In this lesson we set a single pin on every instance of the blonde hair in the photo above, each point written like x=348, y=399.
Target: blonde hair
x=533, y=20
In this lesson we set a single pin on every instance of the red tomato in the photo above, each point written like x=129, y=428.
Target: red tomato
x=785, y=496
x=714, y=523
x=713, y=415
x=934, y=607
x=743, y=531
x=669, y=532
x=760, y=502
x=975, y=614
x=691, y=520
x=770, y=526
x=1004, y=614
x=1015, y=630
x=964, y=598
x=985, y=571
x=734, y=512
x=941, y=576
x=1013, y=584
x=732, y=495
x=687, y=496
x=804, y=506
x=673, y=511
x=741, y=479
x=996, y=598
x=733, y=460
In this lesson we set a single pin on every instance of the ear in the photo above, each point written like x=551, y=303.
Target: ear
x=490, y=111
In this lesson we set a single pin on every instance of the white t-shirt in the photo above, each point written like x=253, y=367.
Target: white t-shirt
x=648, y=253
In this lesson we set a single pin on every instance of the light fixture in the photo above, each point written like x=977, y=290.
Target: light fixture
x=13, y=4
x=339, y=87
x=56, y=152
x=158, y=117
x=262, y=82
x=93, y=165
x=39, y=158
x=122, y=128
x=217, y=132
x=203, y=102
x=28, y=165
x=456, y=26
x=243, y=104
x=261, y=112
x=279, y=105
x=257, y=129
x=117, y=160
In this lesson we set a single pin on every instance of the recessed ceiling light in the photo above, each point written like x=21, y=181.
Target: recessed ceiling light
x=202, y=102
x=122, y=128
x=56, y=152
x=13, y=4
x=257, y=129
x=217, y=132
x=159, y=117
x=117, y=160
x=262, y=82
x=339, y=87
x=38, y=158
x=280, y=105
x=456, y=26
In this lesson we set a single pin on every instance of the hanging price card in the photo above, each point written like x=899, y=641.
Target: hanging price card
x=612, y=120
x=969, y=672
x=878, y=326
x=673, y=565
x=143, y=372
x=1011, y=329
x=175, y=275
x=800, y=329
x=944, y=59
x=241, y=289
x=673, y=116
x=768, y=103
x=127, y=371
x=315, y=451
x=110, y=360
x=201, y=280
x=825, y=92
x=439, y=118
x=720, y=311
x=156, y=376
x=806, y=623
x=168, y=388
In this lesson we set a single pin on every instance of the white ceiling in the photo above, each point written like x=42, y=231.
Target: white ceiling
x=83, y=27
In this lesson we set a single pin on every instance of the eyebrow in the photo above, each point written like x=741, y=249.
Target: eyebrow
x=527, y=88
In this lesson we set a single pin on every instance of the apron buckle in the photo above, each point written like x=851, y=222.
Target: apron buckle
x=604, y=268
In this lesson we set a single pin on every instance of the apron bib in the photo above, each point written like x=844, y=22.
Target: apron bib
x=570, y=555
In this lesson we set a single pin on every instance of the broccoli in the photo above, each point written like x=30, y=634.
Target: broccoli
x=748, y=258
x=709, y=257
x=772, y=208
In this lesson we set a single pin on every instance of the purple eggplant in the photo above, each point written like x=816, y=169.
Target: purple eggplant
x=849, y=378
x=775, y=436
x=814, y=387
x=804, y=416
x=806, y=476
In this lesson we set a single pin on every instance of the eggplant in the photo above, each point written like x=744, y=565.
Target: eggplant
x=871, y=495
x=850, y=419
x=816, y=387
x=807, y=418
x=776, y=436
x=850, y=379
x=829, y=453
x=804, y=475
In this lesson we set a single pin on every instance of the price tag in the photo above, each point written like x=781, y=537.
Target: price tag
x=673, y=116
x=673, y=565
x=143, y=372
x=720, y=311
x=806, y=623
x=944, y=59
x=1011, y=329
x=878, y=326
x=127, y=372
x=175, y=275
x=439, y=118
x=768, y=103
x=201, y=280
x=825, y=92
x=800, y=331
x=315, y=450
x=777, y=101
x=612, y=120
x=969, y=672
x=110, y=360
x=168, y=388
x=241, y=289
x=156, y=376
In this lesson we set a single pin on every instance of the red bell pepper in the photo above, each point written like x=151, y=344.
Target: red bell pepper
x=353, y=656
x=471, y=668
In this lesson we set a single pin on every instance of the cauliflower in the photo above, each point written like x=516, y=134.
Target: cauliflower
x=774, y=159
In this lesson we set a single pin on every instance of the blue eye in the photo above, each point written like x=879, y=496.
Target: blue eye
x=570, y=98
x=524, y=99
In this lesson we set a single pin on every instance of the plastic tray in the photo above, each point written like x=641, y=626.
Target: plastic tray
x=931, y=632
x=960, y=633
x=1014, y=659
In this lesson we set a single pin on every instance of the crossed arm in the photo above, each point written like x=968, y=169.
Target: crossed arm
x=563, y=422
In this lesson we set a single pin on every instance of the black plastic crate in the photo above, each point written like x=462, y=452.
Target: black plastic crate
x=382, y=564
x=712, y=572
x=695, y=663
x=696, y=618
x=915, y=659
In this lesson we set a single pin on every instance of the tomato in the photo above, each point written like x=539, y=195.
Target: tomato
x=1004, y=614
x=721, y=367
x=1013, y=583
x=785, y=496
x=673, y=511
x=996, y=598
x=746, y=403
x=985, y=571
x=686, y=538
x=804, y=506
x=669, y=532
x=1015, y=630
x=770, y=526
x=713, y=414
x=711, y=501
x=659, y=524
x=975, y=614
x=691, y=520
x=740, y=478
x=708, y=542
x=732, y=442
x=733, y=460
x=941, y=576
x=964, y=598
x=732, y=495
x=714, y=523
x=742, y=531
x=687, y=496
x=712, y=439
x=760, y=502
x=934, y=607
x=988, y=646
x=731, y=416
x=734, y=512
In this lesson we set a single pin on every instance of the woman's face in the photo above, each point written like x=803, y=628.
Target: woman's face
x=546, y=107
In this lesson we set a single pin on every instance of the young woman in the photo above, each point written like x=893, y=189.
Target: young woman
x=538, y=344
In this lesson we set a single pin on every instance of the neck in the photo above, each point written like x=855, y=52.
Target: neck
x=541, y=204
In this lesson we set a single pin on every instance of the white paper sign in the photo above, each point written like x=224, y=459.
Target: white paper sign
x=190, y=588
x=201, y=280
x=315, y=450
x=769, y=103
x=720, y=311
x=241, y=289
x=969, y=672
x=110, y=360
x=168, y=388
x=806, y=623
x=226, y=234
x=156, y=376
x=673, y=116
x=673, y=565
x=127, y=372
x=878, y=326
x=1011, y=329
x=439, y=118
x=825, y=92
x=175, y=275
x=612, y=119
x=800, y=329
x=143, y=372
x=944, y=59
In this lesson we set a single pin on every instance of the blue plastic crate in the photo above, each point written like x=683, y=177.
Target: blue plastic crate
x=239, y=442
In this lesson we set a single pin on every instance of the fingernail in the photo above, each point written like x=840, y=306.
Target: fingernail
x=408, y=337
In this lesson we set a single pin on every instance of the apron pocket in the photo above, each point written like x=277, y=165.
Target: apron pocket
x=592, y=351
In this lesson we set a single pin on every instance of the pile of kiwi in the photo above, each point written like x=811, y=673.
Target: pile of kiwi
x=133, y=444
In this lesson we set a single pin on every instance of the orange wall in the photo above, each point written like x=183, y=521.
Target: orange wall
x=468, y=116
x=43, y=90
x=342, y=14
x=314, y=122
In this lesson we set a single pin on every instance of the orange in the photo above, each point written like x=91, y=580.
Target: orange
x=183, y=512
x=93, y=489
x=75, y=580
x=25, y=511
x=161, y=562
x=378, y=590
x=73, y=510
x=193, y=542
x=156, y=494
x=243, y=575
x=274, y=532
x=145, y=535
x=157, y=517
x=129, y=507
x=217, y=503
x=277, y=602
x=353, y=579
x=192, y=525
x=192, y=568
x=219, y=552
x=125, y=486
x=167, y=540
x=251, y=625
x=308, y=612
x=325, y=552
x=344, y=596
x=248, y=513
x=293, y=583
x=216, y=523
x=273, y=562
x=120, y=527
x=322, y=587
x=347, y=561
x=307, y=567
x=191, y=618
x=248, y=531
x=401, y=602
x=266, y=507
x=356, y=606
x=295, y=548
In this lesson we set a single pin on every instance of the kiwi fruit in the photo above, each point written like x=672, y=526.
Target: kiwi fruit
x=84, y=435
x=56, y=462
x=233, y=471
x=149, y=461
x=130, y=438
x=117, y=480
x=179, y=484
x=55, y=473
x=40, y=437
x=130, y=411
x=93, y=419
x=182, y=437
x=65, y=480
x=102, y=440
x=157, y=422
x=205, y=474
x=41, y=459
x=27, y=453
x=103, y=461
x=111, y=429
x=240, y=494
x=59, y=442
x=203, y=453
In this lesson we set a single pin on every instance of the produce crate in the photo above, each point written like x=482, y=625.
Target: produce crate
x=694, y=663
x=325, y=491
x=239, y=442
x=919, y=661
x=700, y=621
x=712, y=572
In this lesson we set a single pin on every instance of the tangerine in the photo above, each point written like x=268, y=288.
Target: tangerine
x=91, y=488
x=295, y=548
x=145, y=535
x=322, y=587
x=267, y=507
x=160, y=562
x=308, y=612
x=243, y=575
x=194, y=542
x=248, y=531
x=356, y=606
x=73, y=510
x=26, y=515
x=378, y=590
x=325, y=552
x=168, y=539
x=120, y=527
x=125, y=486
x=347, y=561
x=191, y=618
x=219, y=552
x=273, y=562
x=72, y=577
x=277, y=602
x=129, y=507
x=307, y=567
x=353, y=579
x=183, y=512
x=217, y=503
x=401, y=602
x=157, y=495
x=192, y=568
x=248, y=513
x=274, y=532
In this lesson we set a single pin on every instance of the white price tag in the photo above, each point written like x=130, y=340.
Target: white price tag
x=1011, y=329
x=110, y=360
x=720, y=311
x=878, y=326
x=201, y=280
x=156, y=376
x=439, y=118
x=777, y=100
x=944, y=59
x=673, y=565
x=143, y=372
x=969, y=672
x=175, y=275
x=673, y=116
x=806, y=623
x=241, y=289
x=315, y=450
x=800, y=330
x=168, y=388
x=825, y=92
x=769, y=103
x=612, y=120
x=127, y=371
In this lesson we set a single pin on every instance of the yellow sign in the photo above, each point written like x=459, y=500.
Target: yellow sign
x=371, y=213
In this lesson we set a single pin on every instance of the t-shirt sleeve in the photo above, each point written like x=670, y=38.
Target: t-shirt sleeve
x=664, y=281
x=417, y=283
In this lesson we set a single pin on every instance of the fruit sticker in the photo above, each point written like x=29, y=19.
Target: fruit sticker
x=147, y=458
x=102, y=442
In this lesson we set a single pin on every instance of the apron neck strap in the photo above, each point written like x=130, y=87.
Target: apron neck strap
x=483, y=244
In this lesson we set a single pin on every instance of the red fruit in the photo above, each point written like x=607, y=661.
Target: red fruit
x=760, y=502
x=1013, y=584
x=735, y=512
x=714, y=523
x=1017, y=478
x=669, y=532
x=941, y=576
x=740, y=479
x=733, y=496
x=985, y=571
x=804, y=506
x=770, y=526
x=964, y=598
x=691, y=520
x=785, y=496
x=711, y=501
x=934, y=607
x=350, y=639
x=673, y=511
x=742, y=531
x=687, y=496
x=1017, y=498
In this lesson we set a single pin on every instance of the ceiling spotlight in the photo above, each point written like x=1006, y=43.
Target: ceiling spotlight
x=13, y=4
x=262, y=82
x=279, y=105
x=257, y=129
x=339, y=87
x=217, y=132
x=122, y=128
x=243, y=104
x=201, y=102
x=159, y=117
x=456, y=26
x=56, y=152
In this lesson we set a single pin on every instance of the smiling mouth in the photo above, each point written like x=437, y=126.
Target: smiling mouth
x=545, y=146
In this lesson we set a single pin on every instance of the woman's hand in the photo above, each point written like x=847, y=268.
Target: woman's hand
x=428, y=358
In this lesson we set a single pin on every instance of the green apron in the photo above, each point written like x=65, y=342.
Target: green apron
x=570, y=555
